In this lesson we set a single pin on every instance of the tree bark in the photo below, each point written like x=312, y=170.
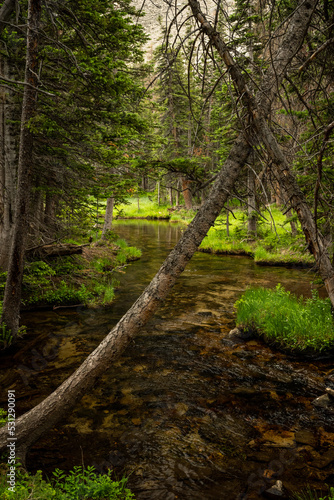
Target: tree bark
x=187, y=193
x=108, y=218
x=5, y=12
x=251, y=203
x=12, y=298
x=9, y=137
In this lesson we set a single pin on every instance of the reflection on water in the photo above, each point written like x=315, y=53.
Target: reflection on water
x=187, y=411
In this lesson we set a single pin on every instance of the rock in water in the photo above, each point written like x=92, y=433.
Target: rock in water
x=276, y=491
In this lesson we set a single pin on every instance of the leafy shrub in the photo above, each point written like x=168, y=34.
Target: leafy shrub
x=79, y=484
x=281, y=317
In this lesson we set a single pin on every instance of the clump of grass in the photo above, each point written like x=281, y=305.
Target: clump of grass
x=217, y=242
x=126, y=253
x=285, y=255
x=280, y=317
x=308, y=494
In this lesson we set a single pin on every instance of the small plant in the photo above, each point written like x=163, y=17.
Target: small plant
x=6, y=337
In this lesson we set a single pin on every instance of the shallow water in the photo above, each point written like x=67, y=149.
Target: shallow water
x=187, y=411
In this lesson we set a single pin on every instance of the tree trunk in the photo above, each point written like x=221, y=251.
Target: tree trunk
x=158, y=184
x=12, y=298
x=108, y=218
x=6, y=10
x=170, y=189
x=251, y=203
x=187, y=193
x=37, y=421
x=227, y=220
x=9, y=136
x=177, y=196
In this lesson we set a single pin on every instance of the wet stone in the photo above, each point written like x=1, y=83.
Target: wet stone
x=324, y=460
x=276, y=491
x=330, y=393
x=323, y=401
x=306, y=437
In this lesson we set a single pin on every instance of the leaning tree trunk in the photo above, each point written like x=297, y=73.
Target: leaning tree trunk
x=108, y=218
x=12, y=298
x=37, y=421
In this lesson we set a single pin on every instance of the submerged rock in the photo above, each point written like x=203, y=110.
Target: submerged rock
x=323, y=401
x=276, y=491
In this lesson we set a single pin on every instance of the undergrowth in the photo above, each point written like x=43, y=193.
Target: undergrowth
x=79, y=484
x=290, y=322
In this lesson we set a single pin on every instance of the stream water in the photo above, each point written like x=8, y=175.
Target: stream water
x=187, y=411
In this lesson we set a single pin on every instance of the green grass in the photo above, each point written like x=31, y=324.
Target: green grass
x=284, y=255
x=79, y=484
x=308, y=494
x=280, y=317
x=147, y=208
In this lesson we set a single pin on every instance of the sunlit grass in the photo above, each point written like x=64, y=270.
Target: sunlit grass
x=288, y=321
x=147, y=208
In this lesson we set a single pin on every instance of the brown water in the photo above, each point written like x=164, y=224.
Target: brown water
x=187, y=411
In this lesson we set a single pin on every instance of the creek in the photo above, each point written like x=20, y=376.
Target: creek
x=187, y=411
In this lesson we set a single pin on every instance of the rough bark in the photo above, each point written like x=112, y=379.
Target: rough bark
x=55, y=250
x=12, y=298
x=37, y=421
x=251, y=203
x=5, y=12
x=187, y=193
x=108, y=218
x=9, y=136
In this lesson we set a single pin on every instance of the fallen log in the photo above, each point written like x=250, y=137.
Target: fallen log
x=58, y=250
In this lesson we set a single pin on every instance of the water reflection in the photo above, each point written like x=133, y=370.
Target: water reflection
x=188, y=412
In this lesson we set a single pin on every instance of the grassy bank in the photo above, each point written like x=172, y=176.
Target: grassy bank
x=281, y=318
x=273, y=243
x=75, y=279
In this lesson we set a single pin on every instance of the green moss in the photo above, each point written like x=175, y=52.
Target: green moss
x=280, y=317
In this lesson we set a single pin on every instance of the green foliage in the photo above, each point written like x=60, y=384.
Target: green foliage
x=3, y=417
x=308, y=494
x=280, y=317
x=63, y=294
x=78, y=484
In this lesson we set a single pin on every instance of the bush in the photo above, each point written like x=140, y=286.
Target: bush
x=79, y=484
x=286, y=320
